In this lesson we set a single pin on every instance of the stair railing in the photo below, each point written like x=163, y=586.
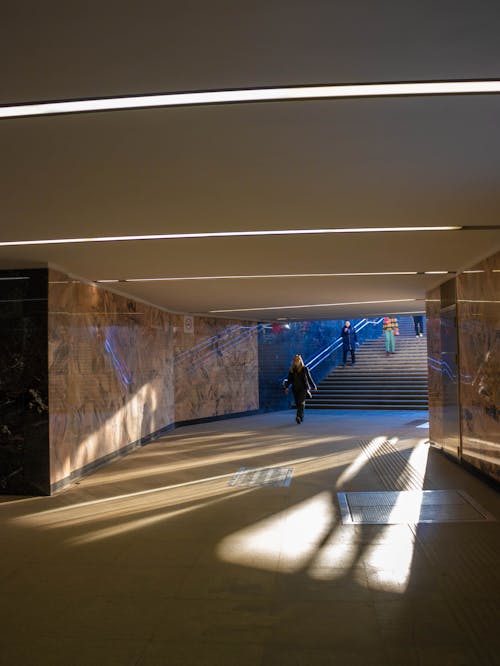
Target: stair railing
x=337, y=343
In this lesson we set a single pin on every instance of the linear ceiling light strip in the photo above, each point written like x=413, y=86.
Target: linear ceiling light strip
x=253, y=95
x=222, y=234
x=316, y=305
x=254, y=277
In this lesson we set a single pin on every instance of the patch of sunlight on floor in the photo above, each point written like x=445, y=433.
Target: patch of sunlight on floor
x=289, y=539
x=337, y=555
x=362, y=459
x=390, y=559
x=118, y=506
x=116, y=530
x=390, y=562
x=140, y=523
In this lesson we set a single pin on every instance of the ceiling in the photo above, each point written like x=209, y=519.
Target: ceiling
x=353, y=163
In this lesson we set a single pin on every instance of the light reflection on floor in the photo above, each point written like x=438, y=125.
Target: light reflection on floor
x=308, y=536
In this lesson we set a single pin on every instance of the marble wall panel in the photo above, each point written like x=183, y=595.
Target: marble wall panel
x=435, y=373
x=478, y=303
x=24, y=420
x=110, y=374
x=216, y=367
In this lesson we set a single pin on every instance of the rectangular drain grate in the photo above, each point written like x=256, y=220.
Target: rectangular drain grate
x=266, y=476
x=409, y=506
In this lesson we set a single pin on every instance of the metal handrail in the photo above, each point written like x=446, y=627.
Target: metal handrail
x=359, y=326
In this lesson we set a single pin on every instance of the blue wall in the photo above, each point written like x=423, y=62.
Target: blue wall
x=279, y=343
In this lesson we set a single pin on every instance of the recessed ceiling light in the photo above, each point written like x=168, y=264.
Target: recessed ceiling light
x=258, y=277
x=14, y=278
x=315, y=305
x=222, y=234
x=436, y=272
x=252, y=95
x=474, y=300
x=406, y=312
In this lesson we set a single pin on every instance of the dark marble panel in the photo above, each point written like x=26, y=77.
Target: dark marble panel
x=24, y=421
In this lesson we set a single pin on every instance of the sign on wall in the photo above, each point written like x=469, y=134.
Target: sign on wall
x=188, y=324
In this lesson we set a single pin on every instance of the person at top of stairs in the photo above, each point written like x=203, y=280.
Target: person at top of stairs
x=349, y=342
x=418, y=321
x=391, y=329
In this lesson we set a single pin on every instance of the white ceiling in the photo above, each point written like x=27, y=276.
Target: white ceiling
x=283, y=165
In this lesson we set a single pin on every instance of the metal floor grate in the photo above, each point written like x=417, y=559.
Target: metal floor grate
x=265, y=476
x=409, y=506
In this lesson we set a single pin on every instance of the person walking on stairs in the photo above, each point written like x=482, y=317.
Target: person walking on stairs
x=418, y=322
x=349, y=342
x=391, y=329
x=299, y=378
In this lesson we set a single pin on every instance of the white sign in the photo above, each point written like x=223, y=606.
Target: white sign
x=188, y=324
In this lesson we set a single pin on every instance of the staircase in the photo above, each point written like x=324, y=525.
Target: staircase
x=377, y=381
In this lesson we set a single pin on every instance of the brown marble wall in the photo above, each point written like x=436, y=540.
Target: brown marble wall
x=435, y=378
x=110, y=374
x=478, y=307
x=478, y=323
x=216, y=367
x=120, y=370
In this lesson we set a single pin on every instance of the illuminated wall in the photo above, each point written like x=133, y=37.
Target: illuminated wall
x=435, y=379
x=121, y=372
x=479, y=348
x=215, y=367
x=477, y=295
x=88, y=375
x=110, y=375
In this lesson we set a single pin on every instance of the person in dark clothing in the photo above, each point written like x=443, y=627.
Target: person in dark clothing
x=299, y=378
x=418, y=322
x=349, y=342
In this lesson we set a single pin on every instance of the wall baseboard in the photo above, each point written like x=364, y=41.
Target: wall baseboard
x=469, y=467
x=220, y=417
x=144, y=441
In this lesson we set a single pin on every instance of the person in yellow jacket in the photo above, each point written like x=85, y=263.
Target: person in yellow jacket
x=391, y=329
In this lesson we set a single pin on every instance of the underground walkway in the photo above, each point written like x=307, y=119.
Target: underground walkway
x=329, y=553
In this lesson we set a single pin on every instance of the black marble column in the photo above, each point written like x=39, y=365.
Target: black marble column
x=24, y=416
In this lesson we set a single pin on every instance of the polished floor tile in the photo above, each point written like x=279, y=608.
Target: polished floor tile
x=156, y=560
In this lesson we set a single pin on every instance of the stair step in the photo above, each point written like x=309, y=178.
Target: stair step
x=365, y=398
x=362, y=391
x=390, y=406
x=379, y=381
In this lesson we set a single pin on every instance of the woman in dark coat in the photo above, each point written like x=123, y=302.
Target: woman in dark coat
x=349, y=342
x=299, y=378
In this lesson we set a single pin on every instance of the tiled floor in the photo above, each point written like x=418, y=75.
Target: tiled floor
x=156, y=560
